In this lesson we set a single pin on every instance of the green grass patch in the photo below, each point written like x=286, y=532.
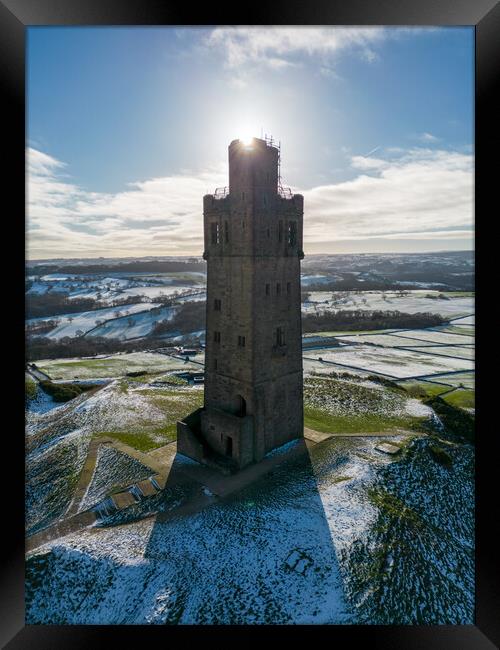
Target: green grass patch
x=423, y=389
x=462, y=398
x=340, y=479
x=393, y=507
x=175, y=404
x=139, y=440
x=64, y=392
x=319, y=420
x=172, y=380
x=30, y=388
x=460, y=329
x=393, y=443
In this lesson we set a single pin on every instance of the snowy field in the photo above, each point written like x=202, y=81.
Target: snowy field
x=465, y=379
x=306, y=280
x=116, y=365
x=310, y=543
x=387, y=340
x=341, y=398
x=392, y=362
x=436, y=336
x=80, y=323
x=468, y=320
x=134, y=326
x=415, y=301
x=462, y=351
x=108, y=289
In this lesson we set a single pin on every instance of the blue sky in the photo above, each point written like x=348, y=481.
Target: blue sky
x=127, y=128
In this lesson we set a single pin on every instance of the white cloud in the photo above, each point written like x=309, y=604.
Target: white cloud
x=420, y=193
x=414, y=195
x=428, y=137
x=281, y=46
x=160, y=215
x=278, y=46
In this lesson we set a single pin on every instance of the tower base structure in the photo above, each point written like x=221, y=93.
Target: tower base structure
x=220, y=439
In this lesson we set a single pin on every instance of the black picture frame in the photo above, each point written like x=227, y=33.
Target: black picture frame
x=15, y=16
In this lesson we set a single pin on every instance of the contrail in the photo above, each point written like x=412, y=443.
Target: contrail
x=372, y=151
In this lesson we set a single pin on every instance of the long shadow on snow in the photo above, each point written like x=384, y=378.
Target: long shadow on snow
x=261, y=555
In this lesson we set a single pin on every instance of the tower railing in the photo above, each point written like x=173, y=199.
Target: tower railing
x=285, y=192
x=221, y=193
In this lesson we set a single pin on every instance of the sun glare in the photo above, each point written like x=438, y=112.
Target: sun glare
x=247, y=140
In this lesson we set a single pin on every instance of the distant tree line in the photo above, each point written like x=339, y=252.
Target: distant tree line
x=155, y=266
x=57, y=303
x=358, y=319
x=41, y=347
x=40, y=328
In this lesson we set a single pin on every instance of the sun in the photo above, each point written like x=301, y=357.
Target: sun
x=246, y=139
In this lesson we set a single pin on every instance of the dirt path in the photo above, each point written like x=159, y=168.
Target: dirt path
x=60, y=529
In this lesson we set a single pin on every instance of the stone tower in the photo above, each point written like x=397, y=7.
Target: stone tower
x=253, y=360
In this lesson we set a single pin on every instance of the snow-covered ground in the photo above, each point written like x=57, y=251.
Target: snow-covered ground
x=435, y=336
x=115, y=365
x=354, y=398
x=113, y=468
x=306, y=280
x=306, y=544
x=81, y=322
x=415, y=301
x=462, y=351
x=390, y=361
x=135, y=325
x=387, y=340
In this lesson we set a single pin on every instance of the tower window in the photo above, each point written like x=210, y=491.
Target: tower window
x=243, y=196
x=226, y=231
x=268, y=233
x=292, y=233
x=278, y=289
x=288, y=287
x=241, y=341
x=217, y=304
x=215, y=229
x=216, y=337
x=280, y=231
x=268, y=289
x=280, y=336
x=215, y=364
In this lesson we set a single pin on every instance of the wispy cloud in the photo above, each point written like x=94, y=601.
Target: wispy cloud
x=420, y=193
x=160, y=215
x=280, y=47
x=428, y=137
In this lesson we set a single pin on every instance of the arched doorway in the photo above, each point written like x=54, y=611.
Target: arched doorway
x=239, y=406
